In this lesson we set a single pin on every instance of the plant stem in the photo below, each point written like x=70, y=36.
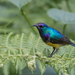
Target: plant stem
x=68, y=6
x=27, y=20
x=11, y=21
x=64, y=28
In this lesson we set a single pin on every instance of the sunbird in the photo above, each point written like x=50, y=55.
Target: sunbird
x=52, y=37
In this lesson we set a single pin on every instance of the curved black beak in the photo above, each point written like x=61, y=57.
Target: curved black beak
x=34, y=25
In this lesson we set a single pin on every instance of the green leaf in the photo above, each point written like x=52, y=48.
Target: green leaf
x=20, y=3
x=42, y=66
x=24, y=50
x=63, y=16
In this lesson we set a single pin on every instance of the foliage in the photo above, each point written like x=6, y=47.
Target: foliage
x=20, y=3
x=25, y=49
x=66, y=17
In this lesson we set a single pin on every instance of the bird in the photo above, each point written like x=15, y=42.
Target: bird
x=52, y=37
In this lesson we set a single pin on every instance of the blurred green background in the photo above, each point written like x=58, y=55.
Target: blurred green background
x=12, y=20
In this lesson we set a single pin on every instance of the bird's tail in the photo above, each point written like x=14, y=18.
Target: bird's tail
x=73, y=44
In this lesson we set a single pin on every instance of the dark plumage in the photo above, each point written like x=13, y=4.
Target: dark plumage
x=52, y=37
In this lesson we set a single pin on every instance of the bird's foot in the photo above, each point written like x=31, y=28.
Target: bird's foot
x=49, y=56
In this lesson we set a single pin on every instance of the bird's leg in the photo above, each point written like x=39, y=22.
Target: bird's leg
x=55, y=51
x=52, y=52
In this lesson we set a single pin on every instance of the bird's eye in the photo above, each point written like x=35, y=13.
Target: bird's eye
x=41, y=26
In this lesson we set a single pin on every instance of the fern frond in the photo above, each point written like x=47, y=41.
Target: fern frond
x=24, y=50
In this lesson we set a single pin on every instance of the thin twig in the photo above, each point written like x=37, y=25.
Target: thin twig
x=27, y=20
x=64, y=28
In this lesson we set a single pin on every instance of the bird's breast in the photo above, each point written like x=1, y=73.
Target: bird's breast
x=54, y=45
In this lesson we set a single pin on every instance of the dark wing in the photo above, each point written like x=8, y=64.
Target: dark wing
x=64, y=40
